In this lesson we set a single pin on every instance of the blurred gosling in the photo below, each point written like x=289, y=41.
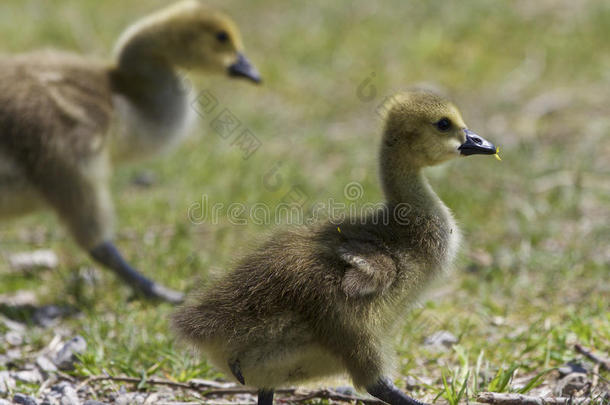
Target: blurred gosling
x=328, y=299
x=65, y=119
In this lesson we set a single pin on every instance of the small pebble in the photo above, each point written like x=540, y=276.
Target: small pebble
x=130, y=399
x=70, y=397
x=7, y=383
x=45, y=364
x=13, y=338
x=14, y=354
x=12, y=325
x=411, y=383
x=441, y=340
x=59, y=387
x=24, y=400
x=498, y=321
x=28, y=376
x=29, y=261
x=50, y=400
x=66, y=356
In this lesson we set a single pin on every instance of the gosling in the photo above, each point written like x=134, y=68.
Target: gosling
x=328, y=299
x=65, y=119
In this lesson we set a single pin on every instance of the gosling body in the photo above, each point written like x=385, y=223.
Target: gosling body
x=65, y=120
x=329, y=299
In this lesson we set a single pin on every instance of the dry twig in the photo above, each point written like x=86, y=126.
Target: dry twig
x=210, y=388
x=604, y=363
x=519, y=399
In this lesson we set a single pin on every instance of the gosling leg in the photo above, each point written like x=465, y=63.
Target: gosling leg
x=385, y=390
x=265, y=397
x=109, y=256
x=81, y=197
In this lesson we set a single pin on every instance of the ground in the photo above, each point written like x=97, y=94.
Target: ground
x=531, y=280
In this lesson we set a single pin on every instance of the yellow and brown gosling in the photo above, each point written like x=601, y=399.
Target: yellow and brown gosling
x=328, y=299
x=65, y=119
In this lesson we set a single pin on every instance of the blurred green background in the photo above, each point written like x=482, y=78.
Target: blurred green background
x=532, y=278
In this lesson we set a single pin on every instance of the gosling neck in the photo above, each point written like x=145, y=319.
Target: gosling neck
x=404, y=183
x=149, y=82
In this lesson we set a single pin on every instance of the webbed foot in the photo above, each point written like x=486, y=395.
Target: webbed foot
x=109, y=256
x=385, y=390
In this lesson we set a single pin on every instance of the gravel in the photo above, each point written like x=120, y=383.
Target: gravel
x=40, y=370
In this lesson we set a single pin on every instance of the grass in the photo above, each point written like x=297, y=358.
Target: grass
x=532, y=276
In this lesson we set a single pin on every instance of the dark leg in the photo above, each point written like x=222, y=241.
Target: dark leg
x=82, y=200
x=236, y=370
x=265, y=397
x=385, y=390
x=108, y=255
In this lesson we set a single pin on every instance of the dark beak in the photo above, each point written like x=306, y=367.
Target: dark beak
x=476, y=145
x=243, y=68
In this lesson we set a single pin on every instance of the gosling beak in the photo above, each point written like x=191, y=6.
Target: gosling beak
x=243, y=68
x=476, y=145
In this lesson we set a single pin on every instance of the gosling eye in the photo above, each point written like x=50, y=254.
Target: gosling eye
x=444, y=124
x=222, y=36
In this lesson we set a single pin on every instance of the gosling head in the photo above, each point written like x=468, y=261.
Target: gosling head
x=191, y=36
x=423, y=129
